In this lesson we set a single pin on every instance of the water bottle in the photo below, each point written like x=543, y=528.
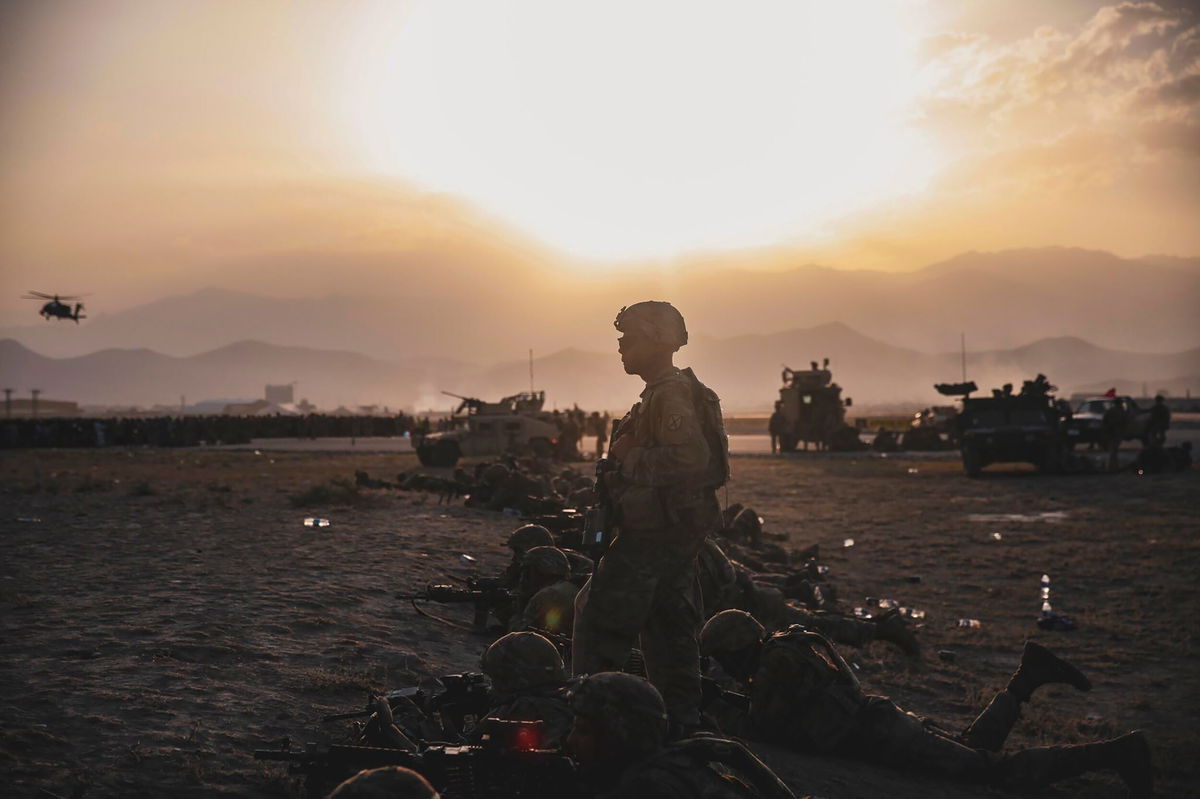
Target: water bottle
x=970, y=623
x=316, y=521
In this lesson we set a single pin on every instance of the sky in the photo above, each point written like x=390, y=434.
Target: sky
x=156, y=146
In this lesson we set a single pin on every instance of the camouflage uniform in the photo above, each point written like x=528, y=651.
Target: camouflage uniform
x=701, y=767
x=725, y=584
x=802, y=695
x=666, y=501
x=529, y=682
x=545, y=703
x=551, y=609
x=630, y=716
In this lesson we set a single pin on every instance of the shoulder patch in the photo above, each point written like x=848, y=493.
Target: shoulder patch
x=674, y=421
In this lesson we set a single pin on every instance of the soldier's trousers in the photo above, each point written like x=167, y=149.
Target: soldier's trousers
x=837, y=627
x=886, y=734
x=645, y=586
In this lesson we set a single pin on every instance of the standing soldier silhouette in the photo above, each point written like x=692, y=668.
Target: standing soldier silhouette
x=670, y=455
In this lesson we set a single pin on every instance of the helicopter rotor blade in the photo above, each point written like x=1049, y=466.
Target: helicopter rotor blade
x=37, y=295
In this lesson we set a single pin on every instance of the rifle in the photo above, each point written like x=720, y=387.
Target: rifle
x=463, y=700
x=486, y=593
x=564, y=522
x=599, y=528
x=507, y=763
x=711, y=691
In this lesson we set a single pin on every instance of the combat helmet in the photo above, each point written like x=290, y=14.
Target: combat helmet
x=494, y=474
x=395, y=782
x=628, y=710
x=729, y=631
x=658, y=321
x=522, y=660
x=529, y=536
x=547, y=561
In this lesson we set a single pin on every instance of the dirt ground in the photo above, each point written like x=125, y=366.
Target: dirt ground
x=163, y=613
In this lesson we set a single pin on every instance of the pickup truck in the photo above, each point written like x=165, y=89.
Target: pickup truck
x=1086, y=424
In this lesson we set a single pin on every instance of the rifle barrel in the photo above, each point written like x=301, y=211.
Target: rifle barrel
x=357, y=714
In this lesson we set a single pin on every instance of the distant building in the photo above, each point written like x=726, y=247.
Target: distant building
x=260, y=408
x=281, y=395
x=43, y=409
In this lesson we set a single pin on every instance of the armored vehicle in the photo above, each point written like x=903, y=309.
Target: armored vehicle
x=814, y=411
x=515, y=424
x=1010, y=428
x=932, y=429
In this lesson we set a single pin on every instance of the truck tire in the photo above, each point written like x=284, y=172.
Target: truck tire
x=1051, y=461
x=441, y=453
x=972, y=460
x=787, y=442
x=541, y=447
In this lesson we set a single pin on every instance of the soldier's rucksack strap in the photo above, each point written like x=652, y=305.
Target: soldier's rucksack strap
x=708, y=409
x=734, y=763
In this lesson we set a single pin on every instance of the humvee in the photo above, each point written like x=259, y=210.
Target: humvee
x=515, y=425
x=1011, y=428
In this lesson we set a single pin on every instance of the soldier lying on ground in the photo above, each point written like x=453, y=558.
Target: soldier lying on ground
x=619, y=736
x=728, y=585
x=529, y=684
x=804, y=696
x=545, y=597
x=528, y=536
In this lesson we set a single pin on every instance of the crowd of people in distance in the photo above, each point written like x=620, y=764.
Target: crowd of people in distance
x=193, y=430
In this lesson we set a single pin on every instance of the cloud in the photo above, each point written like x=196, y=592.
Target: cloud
x=1129, y=62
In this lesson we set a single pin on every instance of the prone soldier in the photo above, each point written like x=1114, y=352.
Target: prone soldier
x=727, y=585
x=803, y=695
x=619, y=737
x=529, y=684
x=545, y=595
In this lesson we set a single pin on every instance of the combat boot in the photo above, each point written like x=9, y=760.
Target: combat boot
x=890, y=626
x=1039, y=666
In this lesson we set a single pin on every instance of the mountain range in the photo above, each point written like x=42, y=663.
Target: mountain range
x=744, y=370
x=396, y=308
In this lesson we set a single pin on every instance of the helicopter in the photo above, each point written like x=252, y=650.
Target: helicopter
x=56, y=308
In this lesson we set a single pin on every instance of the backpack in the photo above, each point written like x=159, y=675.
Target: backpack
x=708, y=410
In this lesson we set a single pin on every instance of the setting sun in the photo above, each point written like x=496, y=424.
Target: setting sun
x=635, y=129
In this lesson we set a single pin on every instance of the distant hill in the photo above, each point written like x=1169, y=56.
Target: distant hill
x=394, y=308
x=744, y=370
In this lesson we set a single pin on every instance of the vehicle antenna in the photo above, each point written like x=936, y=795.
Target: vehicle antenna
x=531, y=371
x=963, y=343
